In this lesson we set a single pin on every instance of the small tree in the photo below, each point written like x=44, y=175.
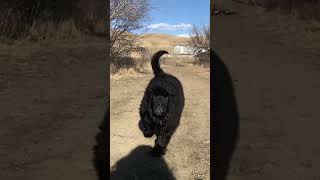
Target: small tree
x=200, y=38
x=126, y=16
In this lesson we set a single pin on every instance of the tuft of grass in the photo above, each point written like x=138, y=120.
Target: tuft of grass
x=50, y=30
x=142, y=65
x=203, y=60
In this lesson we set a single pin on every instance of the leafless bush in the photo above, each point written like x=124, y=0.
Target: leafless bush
x=125, y=63
x=142, y=64
x=200, y=38
x=138, y=60
x=121, y=63
x=203, y=59
x=126, y=16
x=63, y=30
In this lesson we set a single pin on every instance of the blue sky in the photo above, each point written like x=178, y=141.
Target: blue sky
x=177, y=16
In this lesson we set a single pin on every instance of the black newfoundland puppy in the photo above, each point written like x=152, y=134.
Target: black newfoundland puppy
x=161, y=106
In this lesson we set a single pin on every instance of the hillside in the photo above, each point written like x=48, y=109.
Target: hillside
x=154, y=42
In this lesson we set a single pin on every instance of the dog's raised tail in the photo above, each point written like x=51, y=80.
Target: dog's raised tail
x=155, y=62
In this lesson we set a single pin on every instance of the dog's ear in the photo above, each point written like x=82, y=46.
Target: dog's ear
x=145, y=103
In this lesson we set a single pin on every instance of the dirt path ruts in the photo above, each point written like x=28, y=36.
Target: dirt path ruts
x=188, y=152
x=277, y=89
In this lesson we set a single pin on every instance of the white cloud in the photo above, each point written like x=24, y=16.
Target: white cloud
x=183, y=35
x=186, y=35
x=170, y=27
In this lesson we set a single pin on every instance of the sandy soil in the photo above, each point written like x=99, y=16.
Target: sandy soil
x=188, y=153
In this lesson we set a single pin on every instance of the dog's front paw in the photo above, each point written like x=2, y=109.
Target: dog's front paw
x=158, y=151
x=148, y=134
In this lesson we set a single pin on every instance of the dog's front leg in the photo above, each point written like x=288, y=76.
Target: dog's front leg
x=161, y=144
x=145, y=126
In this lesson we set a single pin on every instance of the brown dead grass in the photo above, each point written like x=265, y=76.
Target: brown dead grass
x=38, y=20
x=63, y=30
x=124, y=65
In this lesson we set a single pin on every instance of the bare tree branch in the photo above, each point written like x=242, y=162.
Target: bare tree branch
x=126, y=16
x=200, y=38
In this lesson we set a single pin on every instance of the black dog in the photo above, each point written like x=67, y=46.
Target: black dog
x=161, y=106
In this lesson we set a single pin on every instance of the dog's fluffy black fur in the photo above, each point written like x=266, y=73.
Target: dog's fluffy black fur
x=161, y=107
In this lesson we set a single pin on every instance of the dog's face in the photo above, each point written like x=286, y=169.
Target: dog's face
x=159, y=105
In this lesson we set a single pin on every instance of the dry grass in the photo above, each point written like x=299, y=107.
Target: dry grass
x=129, y=64
x=62, y=30
x=46, y=30
x=203, y=62
x=38, y=20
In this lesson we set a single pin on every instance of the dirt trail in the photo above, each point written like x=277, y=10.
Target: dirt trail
x=188, y=152
x=52, y=97
x=275, y=71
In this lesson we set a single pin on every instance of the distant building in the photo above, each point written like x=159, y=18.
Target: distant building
x=186, y=50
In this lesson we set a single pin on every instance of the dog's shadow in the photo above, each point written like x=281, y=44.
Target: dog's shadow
x=225, y=117
x=140, y=165
x=101, y=149
x=137, y=165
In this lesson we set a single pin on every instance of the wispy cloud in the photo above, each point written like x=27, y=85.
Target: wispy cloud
x=170, y=27
x=186, y=35
x=183, y=35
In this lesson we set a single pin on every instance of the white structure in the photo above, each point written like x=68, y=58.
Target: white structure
x=185, y=50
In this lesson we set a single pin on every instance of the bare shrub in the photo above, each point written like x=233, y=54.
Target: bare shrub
x=142, y=65
x=142, y=59
x=122, y=63
x=203, y=59
x=126, y=63
x=138, y=60
x=126, y=16
x=62, y=30
x=200, y=38
x=200, y=41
